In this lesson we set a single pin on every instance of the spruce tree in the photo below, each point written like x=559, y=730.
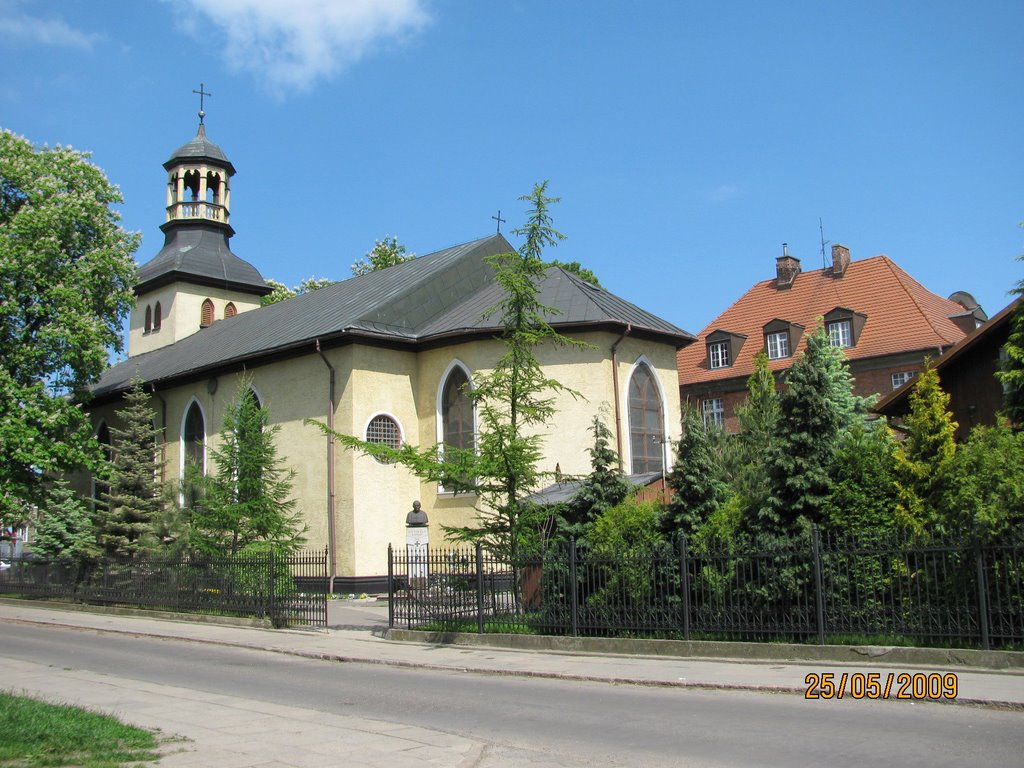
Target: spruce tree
x=247, y=503
x=1011, y=373
x=814, y=408
x=746, y=456
x=602, y=489
x=863, y=493
x=64, y=531
x=695, y=479
x=134, y=498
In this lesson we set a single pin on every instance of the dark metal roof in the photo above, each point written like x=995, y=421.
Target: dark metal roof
x=437, y=296
x=558, y=493
x=200, y=148
x=197, y=251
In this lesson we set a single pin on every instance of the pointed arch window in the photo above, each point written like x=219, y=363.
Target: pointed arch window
x=230, y=310
x=206, y=314
x=457, y=411
x=149, y=320
x=156, y=316
x=193, y=437
x=646, y=422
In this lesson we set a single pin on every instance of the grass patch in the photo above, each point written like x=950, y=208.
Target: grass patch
x=39, y=734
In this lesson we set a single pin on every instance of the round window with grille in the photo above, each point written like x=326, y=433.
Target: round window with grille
x=385, y=430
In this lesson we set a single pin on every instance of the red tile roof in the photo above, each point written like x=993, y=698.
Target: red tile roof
x=902, y=316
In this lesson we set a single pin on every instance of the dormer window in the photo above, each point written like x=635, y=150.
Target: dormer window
x=781, y=337
x=724, y=348
x=840, y=333
x=718, y=354
x=843, y=327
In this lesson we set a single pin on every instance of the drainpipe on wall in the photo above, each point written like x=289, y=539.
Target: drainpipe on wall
x=163, y=429
x=615, y=389
x=330, y=471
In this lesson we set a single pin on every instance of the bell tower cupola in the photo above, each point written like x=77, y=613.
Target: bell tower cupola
x=195, y=280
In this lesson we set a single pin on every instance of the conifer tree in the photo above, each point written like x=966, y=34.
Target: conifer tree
x=924, y=457
x=863, y=493
x=695, y=479
x=1011, y=373
x=65, y=532
x=248, y=501
x=815, y=407
x=134, y=498
x=602, y=489
x=747, y=456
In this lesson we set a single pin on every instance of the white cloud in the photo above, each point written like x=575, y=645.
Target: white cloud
x=724, y=193
x=20, y=27
x=293, y=43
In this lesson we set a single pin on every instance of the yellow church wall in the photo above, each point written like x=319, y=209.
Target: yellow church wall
x=181, y=307
x=372, y=499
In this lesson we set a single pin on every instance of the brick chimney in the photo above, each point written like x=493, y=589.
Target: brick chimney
x=786, y=268
x=840, y=260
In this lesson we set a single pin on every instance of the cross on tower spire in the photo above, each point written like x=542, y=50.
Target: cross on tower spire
x=202, y=94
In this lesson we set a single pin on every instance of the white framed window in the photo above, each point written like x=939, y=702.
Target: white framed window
x=718, y=354
x=901, y=378
x=714, y=412
x=839, y=334
x=777, y=344
x=385, y=430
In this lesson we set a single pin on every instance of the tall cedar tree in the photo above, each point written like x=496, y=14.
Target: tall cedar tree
x=924, y=457
x=695, y=479
x=815, y=407
x=512, y=401
x=134, y=499
x=602, y=489
x=248, y=502
x=66, y=278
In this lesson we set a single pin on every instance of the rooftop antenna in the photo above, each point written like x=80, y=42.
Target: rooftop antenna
x=202, y=94
x=824, y=242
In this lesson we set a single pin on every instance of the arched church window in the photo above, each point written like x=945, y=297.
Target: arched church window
x=384, y=430
x=192, y=184
x=193, y=437
x=230, y=310
x=457, y=411
x=206, y=314
x=213, y=187
x=148, y=326
x=646, y=422
x=156, y=317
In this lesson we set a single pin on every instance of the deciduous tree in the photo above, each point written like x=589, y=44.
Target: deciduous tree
x=385, y=253
x=66, y=278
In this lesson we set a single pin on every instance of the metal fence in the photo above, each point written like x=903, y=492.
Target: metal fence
x=289, y=590
x=817, y=588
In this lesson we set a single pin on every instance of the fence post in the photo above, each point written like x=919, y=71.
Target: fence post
x=819, y=596
x=480, y=588
x=273, y=613
x=573, y=599
x=684, y=585
x=391, y=587
x=983, y=618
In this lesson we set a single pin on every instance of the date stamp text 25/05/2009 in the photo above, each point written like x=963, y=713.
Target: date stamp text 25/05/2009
x=911, y=686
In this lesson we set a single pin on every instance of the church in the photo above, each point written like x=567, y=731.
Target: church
x=385, y=356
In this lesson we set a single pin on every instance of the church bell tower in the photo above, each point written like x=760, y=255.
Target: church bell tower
x=195, y=280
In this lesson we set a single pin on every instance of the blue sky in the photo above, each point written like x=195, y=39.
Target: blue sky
x=687, y=141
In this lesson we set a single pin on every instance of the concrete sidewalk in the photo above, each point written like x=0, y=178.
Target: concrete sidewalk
x=226, y=732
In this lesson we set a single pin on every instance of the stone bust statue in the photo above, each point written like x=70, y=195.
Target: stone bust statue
x=417, y=516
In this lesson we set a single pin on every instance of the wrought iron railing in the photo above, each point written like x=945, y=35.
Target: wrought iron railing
x=287, y=589
x=819, y=588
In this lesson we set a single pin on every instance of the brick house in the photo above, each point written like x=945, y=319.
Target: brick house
x=967, y=373
x=886, y=322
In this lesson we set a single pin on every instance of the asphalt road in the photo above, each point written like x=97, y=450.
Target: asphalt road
x=551, y=722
